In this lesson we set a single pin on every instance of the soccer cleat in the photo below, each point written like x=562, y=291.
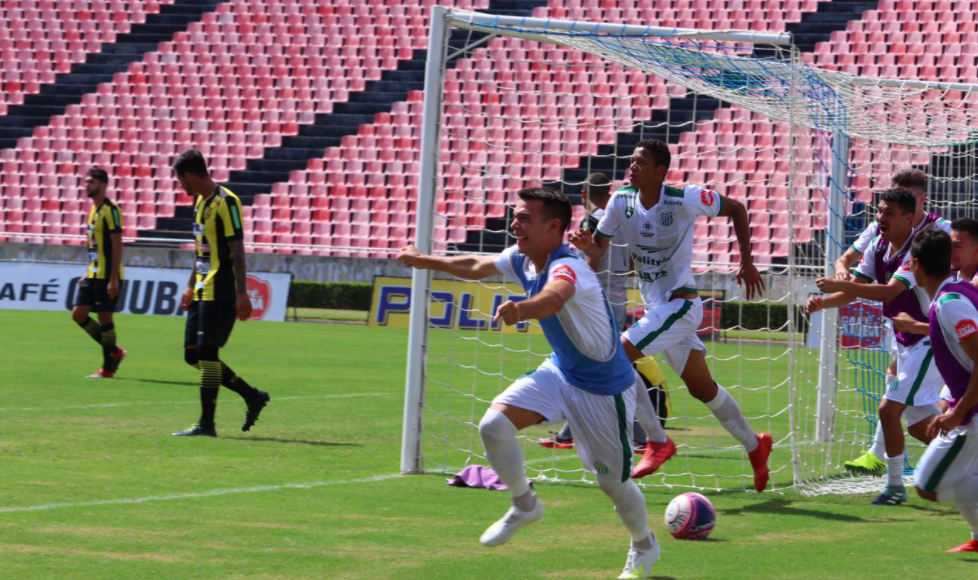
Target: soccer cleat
x=101, y=374
x=654, y=456
x=970, y=546
x=254, y=408
x=197, y=430
x=866, y=464
x=117, y=359
x=892, y=495
x=639, y=563
x=500, y=532
x=758, y=461
x=555, y=443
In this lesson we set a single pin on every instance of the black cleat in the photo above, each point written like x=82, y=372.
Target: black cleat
x=254, y=408
x=196, y=430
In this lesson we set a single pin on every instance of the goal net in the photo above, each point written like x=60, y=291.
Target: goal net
x=513, y=103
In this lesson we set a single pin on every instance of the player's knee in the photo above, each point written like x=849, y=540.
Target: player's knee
x=190, y=355
x=495, y=426
x=890, y=412
x=79, y=316
x=928, y=495
x=207, y=352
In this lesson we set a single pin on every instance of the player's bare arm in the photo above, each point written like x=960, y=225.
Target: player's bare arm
x=860, y=289
x=113, y=287
x=950, y=419
x=544, y=305
x=747, y=274
x=242, y=302
x=846, y=262
x=905, y=323
x=467, y=266
x=188, y=294
x=593, y=246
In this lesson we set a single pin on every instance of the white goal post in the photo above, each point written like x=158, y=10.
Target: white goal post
x=834, y=137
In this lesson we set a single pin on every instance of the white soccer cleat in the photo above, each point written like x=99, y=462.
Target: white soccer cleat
x=500, y=532
x=639, y=563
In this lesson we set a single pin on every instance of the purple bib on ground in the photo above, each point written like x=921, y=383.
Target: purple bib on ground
x=907, y=300
x=953, y=372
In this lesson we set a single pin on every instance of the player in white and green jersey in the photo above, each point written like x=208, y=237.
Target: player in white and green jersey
x=658, y=221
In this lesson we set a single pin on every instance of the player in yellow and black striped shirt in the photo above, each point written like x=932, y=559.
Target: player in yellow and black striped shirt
x=99, y=289
x=217, y=292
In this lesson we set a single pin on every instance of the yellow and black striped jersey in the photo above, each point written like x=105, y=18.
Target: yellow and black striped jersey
x=217, y=221
x=104, y=220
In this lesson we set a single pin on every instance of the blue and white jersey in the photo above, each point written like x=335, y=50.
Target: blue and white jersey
x=583, y=334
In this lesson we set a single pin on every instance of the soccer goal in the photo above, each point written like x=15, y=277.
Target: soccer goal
x=519, y=102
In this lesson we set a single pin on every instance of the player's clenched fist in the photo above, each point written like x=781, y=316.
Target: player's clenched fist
x=508, y=312
x=187, y=300
x=814, y=304
x=581, y=239
x=408, y=256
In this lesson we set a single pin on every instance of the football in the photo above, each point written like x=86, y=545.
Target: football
x=690, y=516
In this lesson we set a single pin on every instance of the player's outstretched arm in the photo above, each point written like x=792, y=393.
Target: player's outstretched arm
x=747, y=273
x=467, y=266
x=593, y=246
x=860, y=289
x=903, y=322
x=544, y=305
x=846, y=262
x=953, y=417
x=836, y=300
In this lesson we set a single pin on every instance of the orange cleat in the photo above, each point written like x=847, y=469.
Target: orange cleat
x=971, y=546
x=101, y=374
x=654, y=456
x=758, y=461
x=554, y=443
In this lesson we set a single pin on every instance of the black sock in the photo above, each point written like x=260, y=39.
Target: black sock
x=232, y=381
x=109, y=349
x=210, y=383
x=92, y=328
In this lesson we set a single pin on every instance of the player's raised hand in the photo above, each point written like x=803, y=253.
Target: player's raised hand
x=581, y=239
x=830, y=284
x=243, y=306
x=408, y=256
x=508, y=312
x=750, y=278
x=813, y=305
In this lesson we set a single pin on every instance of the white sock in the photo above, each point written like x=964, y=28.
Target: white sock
x=969, y=511
x=630, y=505
x=964, y=491
x=503, y=451
x=645, y=413
x=725, y=409
x=894, y=471
x=879, y=446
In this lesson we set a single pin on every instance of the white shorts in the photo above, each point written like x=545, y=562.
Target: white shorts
x=948, y=459
x=918, y=380
x=601, y=424
x=669, y=328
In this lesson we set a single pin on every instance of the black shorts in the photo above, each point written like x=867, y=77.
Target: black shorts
x=94, y=292
x=209, y=323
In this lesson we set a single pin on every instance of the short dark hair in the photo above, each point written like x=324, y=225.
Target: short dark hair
x=968, y=226
x=99, y=174
x=659, y=151
x=900, y=198
x=556, y=206
x=598, y=186
x=192, y=162
x=932, y=248
x=911, y=178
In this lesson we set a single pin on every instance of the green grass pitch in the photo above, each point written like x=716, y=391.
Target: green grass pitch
x=93, y=487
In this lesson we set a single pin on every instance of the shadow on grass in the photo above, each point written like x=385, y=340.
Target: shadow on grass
x=785, y=507
x=294, y=441
x=159, y=382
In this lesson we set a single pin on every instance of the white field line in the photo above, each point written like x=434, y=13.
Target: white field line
x=187, y=402
x=178, y=496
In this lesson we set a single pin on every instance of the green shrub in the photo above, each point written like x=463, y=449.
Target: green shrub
x=757, y=316
x=335, y=295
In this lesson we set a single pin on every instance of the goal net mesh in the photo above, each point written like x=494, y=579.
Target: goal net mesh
x=525, y=105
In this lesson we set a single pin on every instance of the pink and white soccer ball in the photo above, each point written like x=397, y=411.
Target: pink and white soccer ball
x=690, y=516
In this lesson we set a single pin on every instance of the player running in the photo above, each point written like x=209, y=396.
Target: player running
x=587, y=381
x=948, y=470
x=613, y=269
x=99, y=289
x=658, y=221
x=217, y=292
x=918, y=383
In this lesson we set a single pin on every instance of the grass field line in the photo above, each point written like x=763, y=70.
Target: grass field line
x=197, y=495
x=187, y=402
